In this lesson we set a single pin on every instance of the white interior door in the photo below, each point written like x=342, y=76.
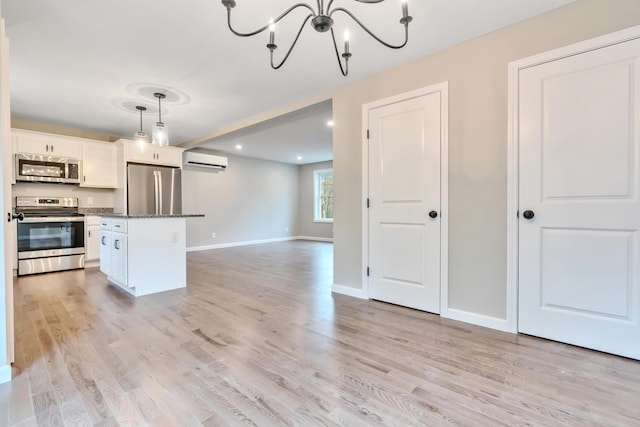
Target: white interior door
x=6, y=231
x=404, y=187
x=579, y=255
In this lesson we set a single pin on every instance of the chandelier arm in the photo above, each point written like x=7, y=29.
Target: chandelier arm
x=361, y=1
x=391, y=46
x=344, y=70
x=259, y=30
x=275, y=67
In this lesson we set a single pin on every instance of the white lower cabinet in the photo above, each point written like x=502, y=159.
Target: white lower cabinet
x=144, y=255
x=105, y=252
x=105, y=245
x=119, y=267
x=92, y=238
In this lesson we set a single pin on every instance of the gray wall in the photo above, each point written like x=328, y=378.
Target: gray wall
x=251, y=200
x=306, y=227
x=477, y=76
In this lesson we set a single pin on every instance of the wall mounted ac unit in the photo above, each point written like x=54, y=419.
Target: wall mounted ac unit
x=204, y=160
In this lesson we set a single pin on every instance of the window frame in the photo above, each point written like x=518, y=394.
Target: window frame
x=316, y=196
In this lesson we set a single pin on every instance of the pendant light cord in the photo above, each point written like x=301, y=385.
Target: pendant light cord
x=160, y=96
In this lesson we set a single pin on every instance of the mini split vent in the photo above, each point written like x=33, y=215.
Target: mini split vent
x=204, y=160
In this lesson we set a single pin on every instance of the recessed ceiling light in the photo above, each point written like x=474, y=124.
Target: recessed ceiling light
x=330, y=123
x=299, y=157
x=238, y=147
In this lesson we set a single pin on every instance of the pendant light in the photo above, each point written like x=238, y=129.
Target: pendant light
x=160, y=134
x=141, y=137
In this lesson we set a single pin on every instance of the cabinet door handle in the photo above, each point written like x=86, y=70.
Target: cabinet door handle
x=84, y=178
x=89, y=233
x=52, y=148
x=104, y=241
x=46, y=148
x=116, y=244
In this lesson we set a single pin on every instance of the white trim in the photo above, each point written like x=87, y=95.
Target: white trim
x=364, y=197
x=477, y=319
x=315, y=239
x=257, y=242
x=5, y=374
x=349, y=291
x=316, y=209
x=234, y=244
x=512, y=149
x=443, y=88
x=444, y=200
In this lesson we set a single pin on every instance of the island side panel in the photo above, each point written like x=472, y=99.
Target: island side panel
x=157, y=254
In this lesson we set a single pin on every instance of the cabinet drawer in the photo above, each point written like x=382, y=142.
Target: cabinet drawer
x=92, y=220
x=119, y=225
x=106, y=224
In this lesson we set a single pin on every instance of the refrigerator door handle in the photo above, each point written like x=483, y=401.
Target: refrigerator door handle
x=160, y=206
x=155, y=190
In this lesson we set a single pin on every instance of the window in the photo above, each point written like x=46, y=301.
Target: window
x=323, y=195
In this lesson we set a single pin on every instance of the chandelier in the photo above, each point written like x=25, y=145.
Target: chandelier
x=321, y=21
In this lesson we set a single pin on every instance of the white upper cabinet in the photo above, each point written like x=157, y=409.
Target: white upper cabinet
x=151, y=154
x=46, y=144
x=99, y=163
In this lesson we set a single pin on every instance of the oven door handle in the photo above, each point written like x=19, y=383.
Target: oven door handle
x=53, y=219
x=11, y=217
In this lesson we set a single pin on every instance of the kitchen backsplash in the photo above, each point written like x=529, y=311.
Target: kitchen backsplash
x=87, y=197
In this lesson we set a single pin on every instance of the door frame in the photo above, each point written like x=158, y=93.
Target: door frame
x=513, y=193
x=443, y=89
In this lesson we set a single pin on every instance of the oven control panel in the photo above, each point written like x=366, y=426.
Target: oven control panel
x=43, y=202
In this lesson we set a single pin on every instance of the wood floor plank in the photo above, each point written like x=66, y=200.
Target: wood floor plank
x=257, y=338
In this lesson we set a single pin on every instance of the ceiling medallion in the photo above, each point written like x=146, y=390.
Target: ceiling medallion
x=321, y=21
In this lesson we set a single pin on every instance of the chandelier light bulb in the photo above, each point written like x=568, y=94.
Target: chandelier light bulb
x=272, y=34
x=346, y=41
x=405, y=8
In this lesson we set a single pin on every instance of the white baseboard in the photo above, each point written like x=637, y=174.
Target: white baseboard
x=5, y=374
x=234, y=244
x=256, y=242
x=349, y=291
x=476, y=319
x=315, y=239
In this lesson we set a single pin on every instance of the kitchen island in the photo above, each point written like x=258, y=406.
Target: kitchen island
x=144, y=254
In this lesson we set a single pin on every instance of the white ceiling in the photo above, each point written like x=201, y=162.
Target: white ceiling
x=87, y=63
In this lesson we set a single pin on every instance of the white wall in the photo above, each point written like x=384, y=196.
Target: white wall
x=306, y=227
x=252, y=200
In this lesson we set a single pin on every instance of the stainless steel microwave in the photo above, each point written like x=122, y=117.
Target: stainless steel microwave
x=38, y=168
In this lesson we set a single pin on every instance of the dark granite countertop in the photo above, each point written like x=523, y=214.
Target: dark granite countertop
x=95, y=211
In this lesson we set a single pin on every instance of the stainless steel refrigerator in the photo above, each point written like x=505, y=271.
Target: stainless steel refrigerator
x=153, y=190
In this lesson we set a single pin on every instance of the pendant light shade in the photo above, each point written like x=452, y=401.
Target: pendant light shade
x=160, y=133
x=140, y=136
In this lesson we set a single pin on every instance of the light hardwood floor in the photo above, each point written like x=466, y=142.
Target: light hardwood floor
x=258, y=339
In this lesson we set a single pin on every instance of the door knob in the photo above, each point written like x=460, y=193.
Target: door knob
x=433, y=214
x=528, y=214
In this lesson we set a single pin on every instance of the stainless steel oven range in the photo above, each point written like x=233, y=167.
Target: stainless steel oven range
x=50, y=234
